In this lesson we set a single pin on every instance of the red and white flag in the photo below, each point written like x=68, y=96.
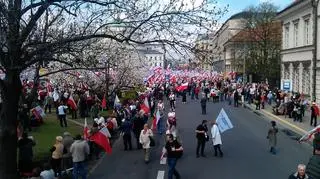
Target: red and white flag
x=85, y=129
x=309, y=134
x=102, y=139
x=156, y=120
x=145, y=106
x=182, y=87
x=72, y=103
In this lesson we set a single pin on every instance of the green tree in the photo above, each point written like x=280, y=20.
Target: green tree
x=264, y=44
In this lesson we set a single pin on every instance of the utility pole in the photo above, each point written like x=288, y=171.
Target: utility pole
x=315, y=38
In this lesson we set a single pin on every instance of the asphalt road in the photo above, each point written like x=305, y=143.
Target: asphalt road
x=245, y=147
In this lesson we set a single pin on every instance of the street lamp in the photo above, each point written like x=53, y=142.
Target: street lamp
x=315, y=4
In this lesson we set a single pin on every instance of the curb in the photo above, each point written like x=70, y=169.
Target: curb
x=285, y=123
x=76, y=122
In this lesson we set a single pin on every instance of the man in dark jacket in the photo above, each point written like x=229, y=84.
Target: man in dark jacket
x=201, y=134
x=313, y=167
x=300, y=174
x=126, y=129
x=203, y=103
x=25, y=153
x=138, y=123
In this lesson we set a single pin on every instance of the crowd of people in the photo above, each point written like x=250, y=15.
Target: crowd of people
x=132, y=121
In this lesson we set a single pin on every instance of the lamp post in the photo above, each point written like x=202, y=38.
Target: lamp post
x=315, y=4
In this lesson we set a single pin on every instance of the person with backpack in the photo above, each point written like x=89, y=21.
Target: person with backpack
x=174, y=151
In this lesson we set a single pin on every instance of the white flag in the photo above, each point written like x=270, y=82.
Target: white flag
x=116, y=101
x=223, y=121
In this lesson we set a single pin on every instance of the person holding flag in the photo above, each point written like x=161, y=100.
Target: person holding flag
x=216, y=139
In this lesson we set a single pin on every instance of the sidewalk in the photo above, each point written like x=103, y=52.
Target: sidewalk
x=299, y=128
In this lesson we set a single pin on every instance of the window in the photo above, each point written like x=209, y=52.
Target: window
x=296, y=33
x=160, y=65
x=306, y=32
x=286, y=36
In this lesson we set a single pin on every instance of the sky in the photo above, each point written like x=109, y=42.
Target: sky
x=236, y=6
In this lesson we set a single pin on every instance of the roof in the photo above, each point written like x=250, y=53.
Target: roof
x=240, y=15
x=149, y=51
x=296, y=2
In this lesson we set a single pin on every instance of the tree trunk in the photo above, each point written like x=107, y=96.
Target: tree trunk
x=10, y=91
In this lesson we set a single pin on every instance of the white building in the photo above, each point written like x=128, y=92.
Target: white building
x=297, y=55
x=229, y=29
x=152, y=55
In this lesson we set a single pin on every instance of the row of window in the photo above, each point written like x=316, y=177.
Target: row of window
x=155, y=58
x=156, y=64
x=296, y=33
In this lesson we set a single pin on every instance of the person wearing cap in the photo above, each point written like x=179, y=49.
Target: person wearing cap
x=56, y=157
x=314, y=114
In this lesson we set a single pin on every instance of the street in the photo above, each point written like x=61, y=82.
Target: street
x=245, y=147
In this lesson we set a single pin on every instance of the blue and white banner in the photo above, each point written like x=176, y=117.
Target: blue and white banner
x=223, y=121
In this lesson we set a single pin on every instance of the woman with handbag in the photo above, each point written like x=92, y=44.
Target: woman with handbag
x=146, y=140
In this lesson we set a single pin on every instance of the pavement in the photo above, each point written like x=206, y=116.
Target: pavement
x=298, y=128
x=245, y=147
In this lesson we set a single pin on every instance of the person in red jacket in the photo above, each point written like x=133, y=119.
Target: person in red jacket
x=314, y=114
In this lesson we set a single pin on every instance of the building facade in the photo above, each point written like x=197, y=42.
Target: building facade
x=299, y=55
x=152, y=55
x=213, y=56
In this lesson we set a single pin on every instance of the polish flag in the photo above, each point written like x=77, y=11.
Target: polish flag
x=183, y=87
x=85, y=129
x=145, y=106
x=104, y=102
x=102, y=139
x=72, y=103
x=156, y=120
x=310, y=134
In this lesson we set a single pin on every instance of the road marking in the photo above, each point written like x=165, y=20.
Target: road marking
x=160, y=174
x=286, y=122
x=163, y=161
x=301, y=131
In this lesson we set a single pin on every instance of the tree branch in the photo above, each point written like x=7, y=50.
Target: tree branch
x=71, y=69
x=25, y=33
